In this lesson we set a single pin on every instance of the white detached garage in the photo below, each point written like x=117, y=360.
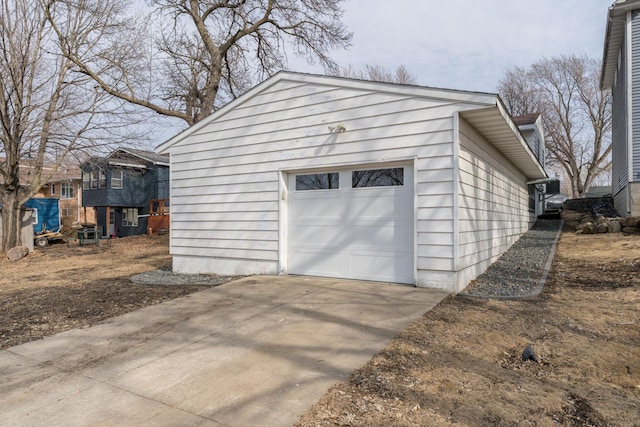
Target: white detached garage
x=335, y=177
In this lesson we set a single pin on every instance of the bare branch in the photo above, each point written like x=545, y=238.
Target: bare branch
x=205, y=52
x=48, y=110
x=378, y=74
x=576, y=113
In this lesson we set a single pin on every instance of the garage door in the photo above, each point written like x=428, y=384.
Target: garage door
x=355, y=224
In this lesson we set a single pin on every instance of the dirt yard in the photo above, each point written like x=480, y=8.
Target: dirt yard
x=459, y=365
x=59, y=288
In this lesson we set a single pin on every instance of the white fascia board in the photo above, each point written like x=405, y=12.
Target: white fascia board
x=394, y=88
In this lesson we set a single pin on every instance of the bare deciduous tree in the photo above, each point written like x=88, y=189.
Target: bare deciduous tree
x=378, y=73
x=48, y=111
x=185, y=58
x=576, y=113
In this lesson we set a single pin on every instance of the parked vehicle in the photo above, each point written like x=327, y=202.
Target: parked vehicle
x=556, y=202
x=46, y=220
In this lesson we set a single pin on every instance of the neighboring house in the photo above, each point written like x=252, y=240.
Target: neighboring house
x=66, y=185
x=328, y=176
x=63, y=184
x=530, y=126
x=121, y=187
x=621, y=74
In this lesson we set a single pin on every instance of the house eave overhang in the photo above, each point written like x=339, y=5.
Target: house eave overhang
x=120, y=163
x=496, y=125
x=614, y=35
x=139, y=154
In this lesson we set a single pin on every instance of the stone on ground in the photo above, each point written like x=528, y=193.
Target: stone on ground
x=17, y=253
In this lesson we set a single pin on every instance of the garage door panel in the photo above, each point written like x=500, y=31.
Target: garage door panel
x=385, y=266
x=360, y=233
x=317, y=262
x=382, y=236
x=377, y=206
x=326, y=235
x=314, y=206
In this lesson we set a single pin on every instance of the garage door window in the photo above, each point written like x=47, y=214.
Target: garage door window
x=318, y=181
x=377, y=178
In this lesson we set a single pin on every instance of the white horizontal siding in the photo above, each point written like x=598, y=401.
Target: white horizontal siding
x=434, y=219
x=246, y=178
x=332, y=149
x=215, y=225
x=214, y=233
x=226, y=193
x=180, y=248
x=252, y=206
x=258, y=217
x=493, y=204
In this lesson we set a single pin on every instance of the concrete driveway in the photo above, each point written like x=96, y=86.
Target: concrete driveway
x=257, y=351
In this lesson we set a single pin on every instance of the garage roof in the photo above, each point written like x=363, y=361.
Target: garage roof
x=491, y=118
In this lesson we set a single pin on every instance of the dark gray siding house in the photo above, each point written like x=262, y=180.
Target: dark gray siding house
x=621, y=74
x=120, y=187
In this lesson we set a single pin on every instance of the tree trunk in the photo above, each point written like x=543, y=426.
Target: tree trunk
x=11, y=222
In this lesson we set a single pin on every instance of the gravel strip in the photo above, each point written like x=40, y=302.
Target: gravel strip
x=165, y=276
x=522, y=270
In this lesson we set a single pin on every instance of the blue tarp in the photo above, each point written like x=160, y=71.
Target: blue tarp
x=47, y=217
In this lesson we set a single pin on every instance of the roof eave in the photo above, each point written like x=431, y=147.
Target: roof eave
x=139, y=155
x=496, y=125
x=614, y=34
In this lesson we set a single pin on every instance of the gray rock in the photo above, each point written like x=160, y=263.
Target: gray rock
x=588, y=228
x=614, y=227
x=601, y=220
x=17, y=253
x=530, y=354
x=629, y=230
x=602, y=228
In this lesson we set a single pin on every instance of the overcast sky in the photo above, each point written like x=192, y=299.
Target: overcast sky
x=461, y=44
x=468, y=44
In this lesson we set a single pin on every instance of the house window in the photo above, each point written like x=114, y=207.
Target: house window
x=86, y=180
x=102, y=183
x=53, y=189
x=116, y=179
x=94, y=180
x=377, y=178
x=130, y=217
x=318, y=181
x=66, y=190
